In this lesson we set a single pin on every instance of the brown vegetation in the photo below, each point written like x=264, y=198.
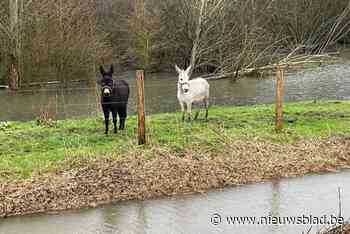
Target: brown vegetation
x=49, y=40
x=63, y=40
x=345, y=229
x=92, y=182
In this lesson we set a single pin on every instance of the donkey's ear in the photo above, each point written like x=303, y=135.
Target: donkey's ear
x=188, y=69
x=178, y=69
x=102, y=70
x=111, y=70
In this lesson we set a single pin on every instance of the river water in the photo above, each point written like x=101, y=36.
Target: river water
x=315, y=195
x=325, y=82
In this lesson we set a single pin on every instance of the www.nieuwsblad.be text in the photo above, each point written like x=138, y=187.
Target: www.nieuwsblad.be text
x=217, y=219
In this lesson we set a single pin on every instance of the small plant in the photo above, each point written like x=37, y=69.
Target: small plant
x=47, y=113
x=5, y=125
x=46, y=122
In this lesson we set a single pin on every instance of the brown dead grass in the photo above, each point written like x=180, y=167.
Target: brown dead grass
x=92, y=182
x=345, y=229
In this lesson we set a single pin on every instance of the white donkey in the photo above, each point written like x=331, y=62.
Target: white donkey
x=191, y=91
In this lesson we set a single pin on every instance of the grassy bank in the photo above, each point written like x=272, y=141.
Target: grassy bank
x=28, y=149
x=72, y=164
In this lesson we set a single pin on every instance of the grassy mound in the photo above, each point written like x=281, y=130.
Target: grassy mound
x=29, y=149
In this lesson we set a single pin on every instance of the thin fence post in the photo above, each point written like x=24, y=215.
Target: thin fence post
x=140, y=78
x=279, y=98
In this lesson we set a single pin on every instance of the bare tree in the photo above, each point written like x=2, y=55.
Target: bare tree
x=64, y=39
x=143, y=24
x=11, y=28
x=61, y=40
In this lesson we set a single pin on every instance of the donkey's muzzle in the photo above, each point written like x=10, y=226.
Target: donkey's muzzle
x=106, y=91
x=185, y=87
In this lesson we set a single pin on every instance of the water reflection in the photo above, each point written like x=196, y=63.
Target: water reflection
x=313, y=195
x=327, y=82
x=275, y=204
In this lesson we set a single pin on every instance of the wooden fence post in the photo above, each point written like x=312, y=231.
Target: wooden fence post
x=279, y=98
x=140, y=78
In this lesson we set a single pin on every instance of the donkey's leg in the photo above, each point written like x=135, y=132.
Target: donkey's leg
x=114, y=114
x=206, y=103
x=189, y=111
x=183, y=111
x=197, y=113
x=122, y=112
x=106, y=114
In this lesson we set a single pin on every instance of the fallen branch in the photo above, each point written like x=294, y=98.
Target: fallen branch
x=55, y=82
x=285, y=64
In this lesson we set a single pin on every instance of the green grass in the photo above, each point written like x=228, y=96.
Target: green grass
x=28, y=149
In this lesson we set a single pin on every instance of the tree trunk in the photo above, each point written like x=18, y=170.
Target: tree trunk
x=14, y=74
x=14, y=77
x=195, y=48
x=13, y=14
